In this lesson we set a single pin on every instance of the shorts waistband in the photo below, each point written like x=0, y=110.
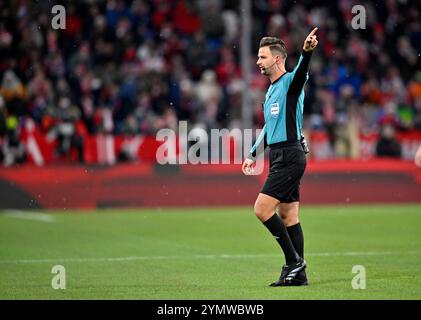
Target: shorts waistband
x=285, y=144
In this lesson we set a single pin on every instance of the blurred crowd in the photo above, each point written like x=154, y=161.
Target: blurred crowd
x=136, y=66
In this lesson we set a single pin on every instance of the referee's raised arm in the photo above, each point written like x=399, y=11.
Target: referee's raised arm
x=300, y=72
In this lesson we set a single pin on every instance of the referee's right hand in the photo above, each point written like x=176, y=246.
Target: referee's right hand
x=311, y=41
x=248, y=166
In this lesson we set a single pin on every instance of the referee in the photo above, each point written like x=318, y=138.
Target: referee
x=283, y=112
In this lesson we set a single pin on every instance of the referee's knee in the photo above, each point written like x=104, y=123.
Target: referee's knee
x=261, y=212
x=290, y=220
x=289, y=213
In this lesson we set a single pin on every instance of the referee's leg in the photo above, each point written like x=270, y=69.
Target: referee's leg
x=289, y=215
x=265, y=210
x=289, y=212
x=265, y=206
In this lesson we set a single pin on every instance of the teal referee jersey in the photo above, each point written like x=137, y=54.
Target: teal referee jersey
x=284, y=105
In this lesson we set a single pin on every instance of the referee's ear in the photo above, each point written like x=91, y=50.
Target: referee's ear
x=281, y=59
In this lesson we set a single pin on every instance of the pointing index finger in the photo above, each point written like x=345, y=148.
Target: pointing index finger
x=313, y=32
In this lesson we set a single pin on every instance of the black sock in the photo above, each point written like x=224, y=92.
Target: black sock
x=297, y=238
x=276, y=226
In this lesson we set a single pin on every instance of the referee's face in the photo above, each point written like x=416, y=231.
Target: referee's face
x=266, y=61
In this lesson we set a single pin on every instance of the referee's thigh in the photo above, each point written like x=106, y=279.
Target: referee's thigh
x=265, y=206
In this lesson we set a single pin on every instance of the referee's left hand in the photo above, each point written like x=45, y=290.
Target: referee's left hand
x=311, y=41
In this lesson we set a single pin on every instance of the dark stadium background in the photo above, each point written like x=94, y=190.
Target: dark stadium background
x=80, y=106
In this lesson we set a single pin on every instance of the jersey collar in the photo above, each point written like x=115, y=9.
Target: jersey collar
x=278, y=78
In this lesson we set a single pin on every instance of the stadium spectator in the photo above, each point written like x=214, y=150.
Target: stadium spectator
x=388, y=145
x=13, y=150
x=414, y=99
x=14, y=93
x=69, y=135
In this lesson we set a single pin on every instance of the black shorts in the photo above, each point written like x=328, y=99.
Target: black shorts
x=287, y=166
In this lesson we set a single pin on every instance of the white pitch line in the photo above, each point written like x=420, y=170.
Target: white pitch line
x=215, y=256
x=32, y=215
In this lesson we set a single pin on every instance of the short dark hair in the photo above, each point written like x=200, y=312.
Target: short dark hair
x=274, y=44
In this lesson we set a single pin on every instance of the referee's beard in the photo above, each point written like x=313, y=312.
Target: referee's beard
x=268, y=71
x=264, y=72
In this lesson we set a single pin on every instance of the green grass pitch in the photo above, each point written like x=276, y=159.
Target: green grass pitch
x=208, y=253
